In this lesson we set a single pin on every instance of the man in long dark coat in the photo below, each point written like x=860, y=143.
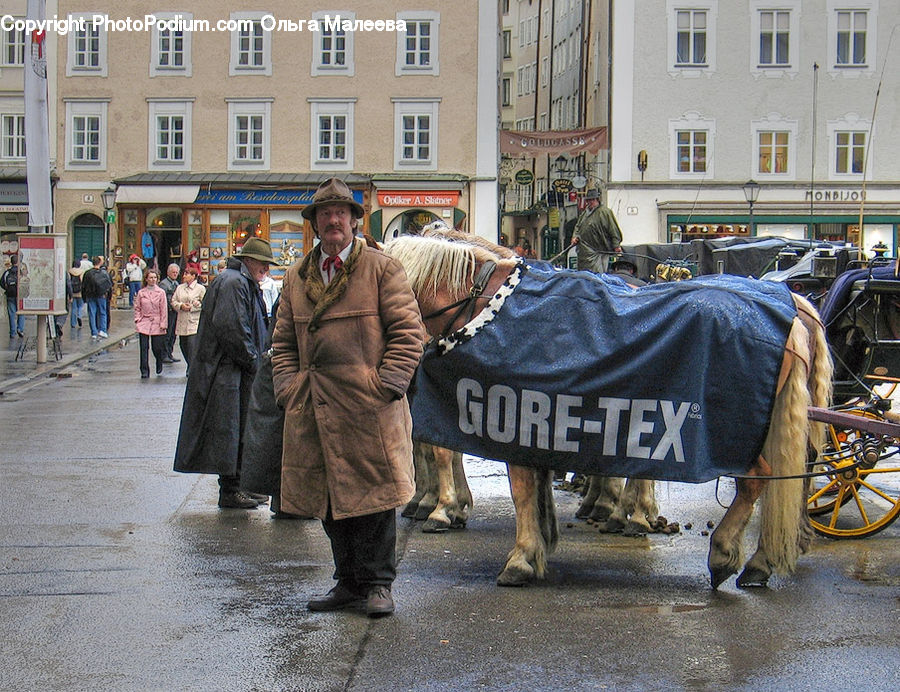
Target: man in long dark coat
x=230, y=343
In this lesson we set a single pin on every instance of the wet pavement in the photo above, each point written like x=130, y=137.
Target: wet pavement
x=118, y=574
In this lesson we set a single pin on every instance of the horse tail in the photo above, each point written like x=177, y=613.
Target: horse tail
x=547, y=510
x=783, y=534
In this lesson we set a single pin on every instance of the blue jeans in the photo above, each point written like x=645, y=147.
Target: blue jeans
x=77, y=310
x=97, y=314
x=16, y=323
x=133, y=288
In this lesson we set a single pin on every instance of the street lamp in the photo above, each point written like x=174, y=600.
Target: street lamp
x=751, y=194
x=109, y=202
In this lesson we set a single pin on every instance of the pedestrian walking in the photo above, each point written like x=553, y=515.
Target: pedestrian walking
x=150, y=320
x=76, y=310
x=96, y=283
x=347, y=341
x=134, y=276
x=9, y=282
x=187, y=301
x=230, y=342
x=169, y=284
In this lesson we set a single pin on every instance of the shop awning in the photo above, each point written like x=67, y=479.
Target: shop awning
x=156, y=194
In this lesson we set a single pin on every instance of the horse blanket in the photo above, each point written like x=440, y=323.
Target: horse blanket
x=577, y=371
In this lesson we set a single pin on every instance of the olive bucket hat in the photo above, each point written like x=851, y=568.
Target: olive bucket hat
x=257, y=249
x=332, y=191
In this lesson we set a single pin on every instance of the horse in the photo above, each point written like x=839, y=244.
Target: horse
x=449, y=277
x=443, y=497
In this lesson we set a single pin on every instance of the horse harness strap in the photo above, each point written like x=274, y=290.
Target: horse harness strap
x=468, y=303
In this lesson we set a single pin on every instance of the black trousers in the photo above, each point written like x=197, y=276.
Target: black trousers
x=187, y=344
x=170, y=332
x=156, y=343
x=364, y=549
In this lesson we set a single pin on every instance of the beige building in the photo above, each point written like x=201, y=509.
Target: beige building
x=216, y=122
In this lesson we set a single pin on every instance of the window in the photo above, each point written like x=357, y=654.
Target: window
x=506, y=91
x=331, y=122
x=170, y=134
x=507, y=43
x=12, y=45
x=415, y=133
x=691, y=36
x=851, y=37
x=171, y=47
x=850, y=152
x=86, y=49
x=86, y=134
x=773, y=152
x=848, y=140
x=691, y=42
x=249, y=134
x=774, y=38
x=417, y=47
x=692, y=140
x=12, y=136
x=251, y=45
x=332, y=46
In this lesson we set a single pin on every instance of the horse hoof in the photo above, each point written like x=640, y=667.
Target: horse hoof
x=752, y=577
x=514, y=576
x=458, y=525
x=433, y=526
x=635, y=530
x=409, y=512
x=614, y=526
x=718, y=575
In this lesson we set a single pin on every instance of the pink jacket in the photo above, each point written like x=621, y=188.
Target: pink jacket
x=151, y=314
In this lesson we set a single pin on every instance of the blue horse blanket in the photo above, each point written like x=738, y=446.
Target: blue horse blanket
x=577, y=371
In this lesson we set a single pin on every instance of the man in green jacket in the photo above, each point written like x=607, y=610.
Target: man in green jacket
x=597, y=235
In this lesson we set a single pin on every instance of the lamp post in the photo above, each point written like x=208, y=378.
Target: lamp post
x=109, y=202
x=751, y=194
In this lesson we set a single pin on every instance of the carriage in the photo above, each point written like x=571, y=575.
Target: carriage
x=855, y=489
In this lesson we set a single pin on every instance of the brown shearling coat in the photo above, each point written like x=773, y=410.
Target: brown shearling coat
x=342, y=383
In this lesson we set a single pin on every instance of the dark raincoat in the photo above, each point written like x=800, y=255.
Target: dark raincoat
x=230, y=343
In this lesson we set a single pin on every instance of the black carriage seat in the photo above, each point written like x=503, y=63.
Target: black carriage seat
x=864, y=329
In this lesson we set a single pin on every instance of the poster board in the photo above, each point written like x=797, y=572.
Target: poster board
x=42, y=274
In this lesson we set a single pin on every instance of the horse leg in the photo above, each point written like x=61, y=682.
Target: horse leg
x=636, y=508
x=536, y=532
x=463, y=493
x=606, y=492
x=446, y=512
x=423, y=473
x=726, y=542
x=429, y=499
x=592, y=486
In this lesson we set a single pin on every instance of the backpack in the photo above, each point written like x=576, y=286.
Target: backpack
x=102, y=282
x=9, y=282
x=76, y=283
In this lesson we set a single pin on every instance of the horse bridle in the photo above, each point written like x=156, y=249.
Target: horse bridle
x=468, y=303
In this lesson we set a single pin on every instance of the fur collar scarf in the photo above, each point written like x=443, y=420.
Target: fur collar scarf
x=322, y=296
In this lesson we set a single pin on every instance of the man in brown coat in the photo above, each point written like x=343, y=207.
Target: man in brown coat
x=347, y=341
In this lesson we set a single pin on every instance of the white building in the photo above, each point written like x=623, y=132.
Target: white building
x=711, y=94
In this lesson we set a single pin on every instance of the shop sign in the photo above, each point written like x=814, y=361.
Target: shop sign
x=42, y=273
x=524, y=176
x=14, y=194
x=261, y=198
x=395, y=198
x=562, y=185
x=835, y=195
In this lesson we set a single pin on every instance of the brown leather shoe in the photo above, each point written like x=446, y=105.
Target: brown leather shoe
x=379, y=602
x=339, y=598
x=236, y=500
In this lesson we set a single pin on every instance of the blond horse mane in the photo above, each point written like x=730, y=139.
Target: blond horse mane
x=431, y=262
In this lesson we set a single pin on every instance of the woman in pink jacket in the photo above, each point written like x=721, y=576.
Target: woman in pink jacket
x=151, y=320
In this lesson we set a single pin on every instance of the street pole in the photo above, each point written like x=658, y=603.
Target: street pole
x=751, y=194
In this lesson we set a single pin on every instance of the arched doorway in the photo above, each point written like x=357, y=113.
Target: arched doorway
x=87, y=236
x=410, y=223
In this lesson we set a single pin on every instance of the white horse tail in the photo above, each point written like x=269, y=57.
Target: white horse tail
x=782, y=531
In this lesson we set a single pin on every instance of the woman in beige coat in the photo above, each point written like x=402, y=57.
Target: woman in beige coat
x=347, y=341
x=187, y=302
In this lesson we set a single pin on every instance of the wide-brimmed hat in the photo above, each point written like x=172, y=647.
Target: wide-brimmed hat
x=332, y=191
x=257, y=249
x=592, y=194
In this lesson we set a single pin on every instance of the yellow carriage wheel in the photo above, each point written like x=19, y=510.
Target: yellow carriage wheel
x=855, y=501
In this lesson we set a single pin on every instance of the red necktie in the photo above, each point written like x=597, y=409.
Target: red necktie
x=330, y=262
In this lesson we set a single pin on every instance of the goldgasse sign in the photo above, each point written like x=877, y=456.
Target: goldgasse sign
x=572, y=142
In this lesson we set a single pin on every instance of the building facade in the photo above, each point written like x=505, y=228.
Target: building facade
x=215, y=123
x=708, y=97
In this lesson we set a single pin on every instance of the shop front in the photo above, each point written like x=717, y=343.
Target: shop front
x=404, y=209
x=205, y=224
x=13, y=218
